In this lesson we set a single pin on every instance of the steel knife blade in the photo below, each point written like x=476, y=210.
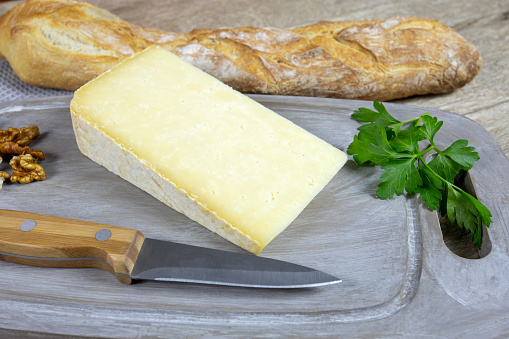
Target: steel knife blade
x=49, y=241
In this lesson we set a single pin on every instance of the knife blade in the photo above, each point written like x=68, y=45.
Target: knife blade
x=49, y=241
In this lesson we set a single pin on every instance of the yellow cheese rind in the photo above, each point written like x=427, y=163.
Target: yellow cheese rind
x=202, y=148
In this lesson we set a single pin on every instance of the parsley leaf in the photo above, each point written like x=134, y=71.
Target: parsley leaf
x=379, y=117
x=445, y=167
x=371, y=145
x=467, y=212
x=400, y=175
x=430, y=127
x=461, y=154
x=431, y=189
x=407, y=140
x=382, y=140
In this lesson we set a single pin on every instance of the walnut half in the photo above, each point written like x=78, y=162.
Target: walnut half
x=25, y=170
x=3, y=176
x=10, y=147
x=15, y=141
x=22, y=136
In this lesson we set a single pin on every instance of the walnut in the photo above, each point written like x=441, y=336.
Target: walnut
x=3, y=176
x=25, y=170
x=15, y=141
x=10, y=147
x=21, y=136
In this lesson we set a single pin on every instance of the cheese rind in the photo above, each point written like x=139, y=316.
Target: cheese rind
x=202, y=148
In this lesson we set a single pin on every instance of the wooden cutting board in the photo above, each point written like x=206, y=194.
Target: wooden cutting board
x=399, y=278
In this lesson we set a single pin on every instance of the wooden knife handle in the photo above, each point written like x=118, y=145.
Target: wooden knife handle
x=47, y=241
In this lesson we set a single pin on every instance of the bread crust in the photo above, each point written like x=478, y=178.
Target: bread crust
x=64, y=44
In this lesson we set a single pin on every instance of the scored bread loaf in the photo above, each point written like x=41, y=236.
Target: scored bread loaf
x=64, y=44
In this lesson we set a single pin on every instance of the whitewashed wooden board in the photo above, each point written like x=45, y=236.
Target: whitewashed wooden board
x=399, y=278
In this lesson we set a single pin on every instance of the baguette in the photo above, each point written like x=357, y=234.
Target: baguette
x=64, y=44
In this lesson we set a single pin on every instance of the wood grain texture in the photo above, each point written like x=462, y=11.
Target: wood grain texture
x=54, y=238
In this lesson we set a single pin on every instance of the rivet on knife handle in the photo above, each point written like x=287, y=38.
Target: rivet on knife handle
x=48, y=241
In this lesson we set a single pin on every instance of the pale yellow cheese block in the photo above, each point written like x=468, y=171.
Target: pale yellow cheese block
x=201, y=147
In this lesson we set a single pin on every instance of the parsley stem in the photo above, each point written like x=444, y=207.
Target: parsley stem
x=418, y=119
x=431, y=147
x=421, y=159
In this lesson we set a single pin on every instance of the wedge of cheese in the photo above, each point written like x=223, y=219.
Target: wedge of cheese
x=202, y=148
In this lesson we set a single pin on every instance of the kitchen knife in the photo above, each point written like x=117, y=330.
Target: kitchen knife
x=48, y=241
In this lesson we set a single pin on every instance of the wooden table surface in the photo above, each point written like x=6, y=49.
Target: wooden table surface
x=485, y=23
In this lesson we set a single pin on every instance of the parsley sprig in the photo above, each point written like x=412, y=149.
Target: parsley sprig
x=384, y=141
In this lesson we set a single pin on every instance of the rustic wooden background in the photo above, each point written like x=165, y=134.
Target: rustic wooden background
x=485, y=23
